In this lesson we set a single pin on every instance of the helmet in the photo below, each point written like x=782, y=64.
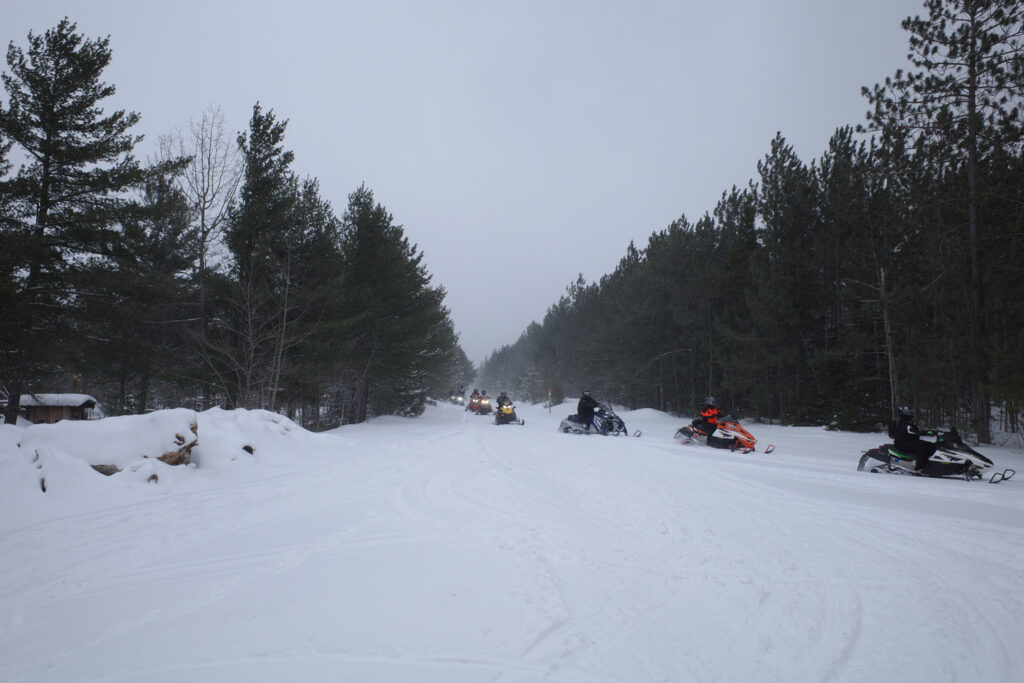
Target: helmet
x=709, y=401
x=905, y=411
x=586, y=393
x=503, y=394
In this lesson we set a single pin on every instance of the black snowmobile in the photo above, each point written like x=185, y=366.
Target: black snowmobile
x=484, y=406
x=605, y=422
x=952, y=458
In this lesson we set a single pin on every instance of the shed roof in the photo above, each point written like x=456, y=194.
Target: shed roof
x=58, y=400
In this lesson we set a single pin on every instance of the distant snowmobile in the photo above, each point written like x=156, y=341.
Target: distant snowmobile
x=484, y=406
x=729, y=433
x=952, y=458
x=605, y=422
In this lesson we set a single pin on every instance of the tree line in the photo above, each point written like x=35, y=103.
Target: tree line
x=886, y=272
x=212, y=275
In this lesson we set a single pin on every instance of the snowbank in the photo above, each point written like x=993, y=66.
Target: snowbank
x=47, y=471
x=49, y=458
x=116, y=441
x=228, y=436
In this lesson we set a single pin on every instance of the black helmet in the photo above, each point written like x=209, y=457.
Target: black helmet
x=586, y=393
x=709, y=401
x=503, y=394
x=905, y=411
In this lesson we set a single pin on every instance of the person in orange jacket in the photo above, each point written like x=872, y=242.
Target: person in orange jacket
x=708, y=422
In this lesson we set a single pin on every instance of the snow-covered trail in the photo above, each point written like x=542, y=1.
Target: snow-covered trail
x=448, y=549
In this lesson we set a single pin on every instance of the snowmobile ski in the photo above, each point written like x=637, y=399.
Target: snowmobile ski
x=1001, y=476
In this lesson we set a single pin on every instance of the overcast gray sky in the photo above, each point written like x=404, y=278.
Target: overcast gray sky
x=521, y=142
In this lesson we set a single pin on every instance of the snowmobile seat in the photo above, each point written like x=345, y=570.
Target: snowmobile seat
x=899, y=455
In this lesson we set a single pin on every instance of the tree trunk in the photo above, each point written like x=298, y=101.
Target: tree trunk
x=15, y=388
x=889, y=348
x=143, y=395
x=979, y=364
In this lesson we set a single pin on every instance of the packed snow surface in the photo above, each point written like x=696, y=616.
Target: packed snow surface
x=447, y=549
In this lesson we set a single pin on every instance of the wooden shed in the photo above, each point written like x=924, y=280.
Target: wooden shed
x=51, y=408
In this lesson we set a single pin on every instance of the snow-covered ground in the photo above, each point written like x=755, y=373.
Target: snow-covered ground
x=447, y=549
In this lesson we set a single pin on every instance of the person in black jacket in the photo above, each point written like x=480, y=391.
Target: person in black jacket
x=906, y=437
x=585, y=409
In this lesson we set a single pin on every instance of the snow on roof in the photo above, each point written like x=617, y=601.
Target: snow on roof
x=58, y=400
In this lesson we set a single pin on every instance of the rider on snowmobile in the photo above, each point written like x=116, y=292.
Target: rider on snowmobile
x=906, y=437
x=707, y=423
x=503, y=400
x=585, y=409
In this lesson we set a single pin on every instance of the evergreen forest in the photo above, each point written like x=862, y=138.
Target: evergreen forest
x=887, y=272
x=213, y=275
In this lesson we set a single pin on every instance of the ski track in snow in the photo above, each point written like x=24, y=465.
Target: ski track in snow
x=449, y=549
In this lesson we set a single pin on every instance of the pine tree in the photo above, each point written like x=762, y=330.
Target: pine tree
x=314, y=338
x=964, y=105
x=252, y=338
x=67, y=199
x=740, y=347
x=396, y=323
x=9, y=263
x=137, y=296
x=857, y=192
x=790, y=283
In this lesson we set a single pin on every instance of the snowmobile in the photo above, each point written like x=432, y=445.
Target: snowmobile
x=952, y=458
x=457, y=399
x=730, y=434
x=605, y=422
x=474, y=404
x=484, y=406
x=506, y=414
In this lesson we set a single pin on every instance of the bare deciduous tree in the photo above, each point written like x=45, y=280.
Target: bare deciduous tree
x=210, y=181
